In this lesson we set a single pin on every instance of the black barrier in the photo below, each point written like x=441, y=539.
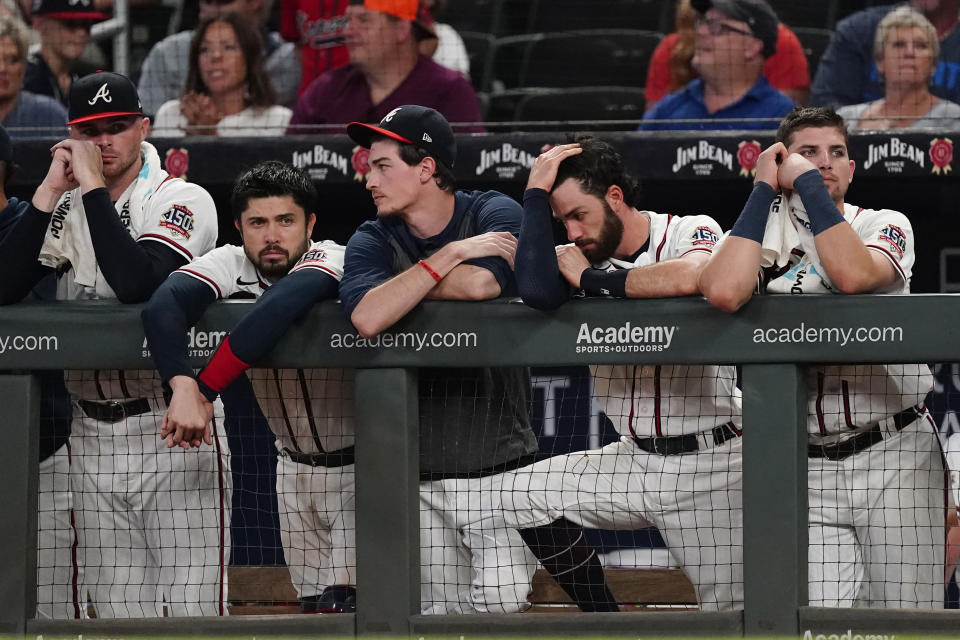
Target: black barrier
x=776, y=332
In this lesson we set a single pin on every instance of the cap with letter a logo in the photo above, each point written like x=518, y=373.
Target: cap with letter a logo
x=412, y=124
x=103, y=95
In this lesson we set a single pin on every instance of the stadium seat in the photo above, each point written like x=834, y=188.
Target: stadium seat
x=502, y=105
x=584, y=103
x=478, y=49
x=821, y=14
x=563, y=15
x=499, y=17
x=504, y=62
x=594, y=57
x=814, y=43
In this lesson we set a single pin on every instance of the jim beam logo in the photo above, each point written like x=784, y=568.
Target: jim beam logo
x=319, y=161
x=748, y=151
x=893, y=154
x=941, y=155
x=506, y=161
x=177, y=162
x=360, y=161
x=702, y=158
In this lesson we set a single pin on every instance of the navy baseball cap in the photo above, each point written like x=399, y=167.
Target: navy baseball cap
x=757, y=14
x=411, y=124
x=103, y=94
x=72, y=10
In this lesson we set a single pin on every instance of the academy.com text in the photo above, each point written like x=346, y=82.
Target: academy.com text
x=405, y=340
x=841, y=336
x=28, y=343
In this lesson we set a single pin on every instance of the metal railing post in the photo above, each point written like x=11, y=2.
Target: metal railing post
x=388, y=512
x=20, y=399
x=774, y=499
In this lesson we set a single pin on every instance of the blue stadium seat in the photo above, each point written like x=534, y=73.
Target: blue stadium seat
x=584, y=103
x=563, y=15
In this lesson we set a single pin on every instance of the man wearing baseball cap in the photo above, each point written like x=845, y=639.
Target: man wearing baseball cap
x=386, y=71
x=430, y=241
x=112, y=224
x=64, y=28
x=733, y=40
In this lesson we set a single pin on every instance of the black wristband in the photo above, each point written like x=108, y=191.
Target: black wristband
x=595, y=282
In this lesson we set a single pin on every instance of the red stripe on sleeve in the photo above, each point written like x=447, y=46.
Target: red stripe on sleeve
x=224, y=367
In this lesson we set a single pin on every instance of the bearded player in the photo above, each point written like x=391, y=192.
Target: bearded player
x=876, y=478
x=678, y=461
x=309, y=410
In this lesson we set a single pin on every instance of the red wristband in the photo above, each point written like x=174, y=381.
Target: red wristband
x=436, y=276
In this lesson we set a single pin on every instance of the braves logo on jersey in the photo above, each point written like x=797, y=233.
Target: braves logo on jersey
x=704, y=237
x=179, y=220
x=895, y=237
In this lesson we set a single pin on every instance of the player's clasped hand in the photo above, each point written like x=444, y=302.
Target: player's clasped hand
x=187, y=421
x=768, y=165
x=543, y=173
x=572, y=263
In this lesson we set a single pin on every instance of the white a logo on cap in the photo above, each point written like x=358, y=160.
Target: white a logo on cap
x=427, y=138
x=102, y=93
x=389, y=116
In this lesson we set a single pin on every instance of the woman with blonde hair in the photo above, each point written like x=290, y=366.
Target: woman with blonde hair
x=906, y=49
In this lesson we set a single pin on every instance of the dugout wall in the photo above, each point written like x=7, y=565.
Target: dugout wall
x=507, y=333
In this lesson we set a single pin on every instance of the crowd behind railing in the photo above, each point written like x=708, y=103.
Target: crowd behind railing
x=252, y=68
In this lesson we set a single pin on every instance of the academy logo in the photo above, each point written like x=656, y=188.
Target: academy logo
x=702, y=158
x=506, y=161
x=893, y=154
x=320, y=161
x=625, y=338
x=202, y=344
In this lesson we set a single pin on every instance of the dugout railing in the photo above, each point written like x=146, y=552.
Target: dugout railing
x=891, y=329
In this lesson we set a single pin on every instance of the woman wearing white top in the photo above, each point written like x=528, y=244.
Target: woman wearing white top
x=228, y=91
x=906, y=49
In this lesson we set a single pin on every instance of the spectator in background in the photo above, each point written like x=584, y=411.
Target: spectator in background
x=448, y=48
x=905, y=49
x=64, y=28
x=733, y=39
x=386, y=71
x=316, y=27
x=228, y=91
x=670, y=67
x=22, y=112
x=165, y=69
x=848, y=74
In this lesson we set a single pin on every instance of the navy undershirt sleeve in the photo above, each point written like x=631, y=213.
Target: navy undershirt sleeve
x=366, y=264
x=175, y=307
x=20, y=248
x=821, y=210
x=498, y=213
x=133, y=269
x=275, y=312
x=538, y=274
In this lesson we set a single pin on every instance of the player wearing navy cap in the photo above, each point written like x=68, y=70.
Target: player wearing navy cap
x=111, y=223
x=430, y=241
x=876, y=476
x=309, y=410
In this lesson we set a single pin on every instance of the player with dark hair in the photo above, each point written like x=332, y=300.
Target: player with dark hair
x=432, y=242
x=309, y=410
x=678, y=461
x=876, y=478
x=112, y=224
